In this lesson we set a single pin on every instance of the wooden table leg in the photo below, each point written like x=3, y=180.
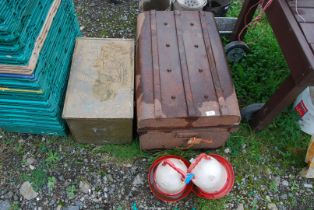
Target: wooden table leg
x=248, y=9
x=281, y=99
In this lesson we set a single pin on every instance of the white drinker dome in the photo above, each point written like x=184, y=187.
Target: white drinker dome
x=168, y=179
x=209, y=175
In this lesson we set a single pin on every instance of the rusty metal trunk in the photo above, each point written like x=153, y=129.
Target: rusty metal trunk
x=184, y=91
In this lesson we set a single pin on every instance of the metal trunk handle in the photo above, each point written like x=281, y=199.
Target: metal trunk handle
x=192, y=140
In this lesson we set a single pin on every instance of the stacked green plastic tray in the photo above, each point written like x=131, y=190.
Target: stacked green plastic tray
x=20, y=24
x=33, y=104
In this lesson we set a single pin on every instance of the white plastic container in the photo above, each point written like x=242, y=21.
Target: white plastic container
x=304, y=106
x=168, y=180
x=209, y=175
x=192, y=5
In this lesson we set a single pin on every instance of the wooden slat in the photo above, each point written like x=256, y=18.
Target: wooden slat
x=306, y=13
x=173, y=100
x=222, y=69
x=156, y=75
x=213, y=67
x=199, y=68
x=301, y=3
x=184, y=64
x=305, y=17
x=144, y=80
x=308, y=29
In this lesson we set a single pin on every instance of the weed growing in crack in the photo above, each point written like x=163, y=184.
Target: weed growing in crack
x=273, y=186
x=37, y=177
x=71, y=191
x=52, y=158
x=15, y=206
x=52, y=181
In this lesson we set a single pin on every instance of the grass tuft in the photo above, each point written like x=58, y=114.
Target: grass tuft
x=37, y=177
x=126, y=152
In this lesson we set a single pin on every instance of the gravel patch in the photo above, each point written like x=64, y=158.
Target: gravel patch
x=71, y=176
x=107, y=18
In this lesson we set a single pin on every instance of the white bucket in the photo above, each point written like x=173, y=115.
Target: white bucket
x=304, y=106
x=192, y=5
x=169, y=181
x=209, y=175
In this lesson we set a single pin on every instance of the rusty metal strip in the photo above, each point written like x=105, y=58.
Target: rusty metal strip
x=156, y=70
x=211, y=59
x=184, y=66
